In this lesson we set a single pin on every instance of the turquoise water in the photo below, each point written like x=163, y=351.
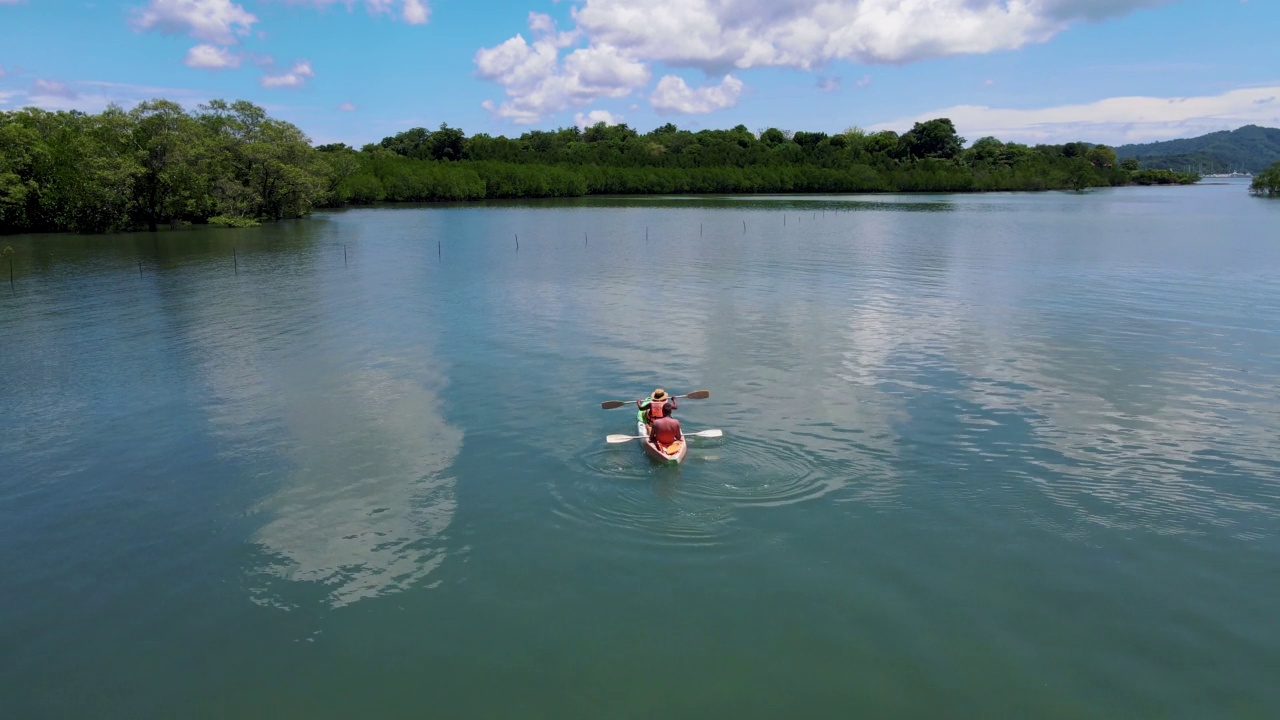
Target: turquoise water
x=1008, y=455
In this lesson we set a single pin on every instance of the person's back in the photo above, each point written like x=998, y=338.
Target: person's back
x=664, y=431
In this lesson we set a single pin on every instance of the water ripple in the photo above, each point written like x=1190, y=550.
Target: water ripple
x=646, y=506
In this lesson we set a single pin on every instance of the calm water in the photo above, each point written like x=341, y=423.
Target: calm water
x=1008, y=455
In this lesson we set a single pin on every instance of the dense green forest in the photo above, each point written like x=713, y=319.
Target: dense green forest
x=231, y=164
x=1247, y=149
x=1267, y=182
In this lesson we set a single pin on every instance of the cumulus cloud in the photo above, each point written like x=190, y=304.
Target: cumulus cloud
x=1114, y=121
x=596, y=116
x=828, y=84
x=414, y=12
x=537, y=82
x=216, y=21
x=296, y=77
x=211, y=57
x=347, y=106
x=718, y=36
x=674, y=95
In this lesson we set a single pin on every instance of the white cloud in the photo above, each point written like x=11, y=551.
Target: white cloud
x=863, y=81
x=541, y=23
x=217, y=21
x=92, y=96
x=51, y=89
x=2, y=71
x=718, y=34
x=414, y=12
x=596, y=116
x=211, y=57
x=828, y=84
x=537, y=82
x=11, y=2
x=1114, y=121
x=347, y=106
x=674, y=95
x=296, y=77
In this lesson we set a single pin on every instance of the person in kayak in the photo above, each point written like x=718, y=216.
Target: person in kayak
x=658, y=404
x=664, y=432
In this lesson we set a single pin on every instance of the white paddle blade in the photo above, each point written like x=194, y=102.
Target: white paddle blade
x=709, y=433
x=621, y=438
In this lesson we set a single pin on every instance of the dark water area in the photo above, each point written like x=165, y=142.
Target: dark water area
x=1003, y=455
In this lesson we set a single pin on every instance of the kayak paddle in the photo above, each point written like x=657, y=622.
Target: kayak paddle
x=715, y=433
x=695, y=395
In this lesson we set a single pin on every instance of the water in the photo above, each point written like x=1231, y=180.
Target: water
x=1007, y=455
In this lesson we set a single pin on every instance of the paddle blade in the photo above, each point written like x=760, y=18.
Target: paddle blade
x=611, y=404
x=698, y=395
x=708, y=433
x=621, y=438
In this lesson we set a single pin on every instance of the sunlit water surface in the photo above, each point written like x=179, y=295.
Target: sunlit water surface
x=1008, y=455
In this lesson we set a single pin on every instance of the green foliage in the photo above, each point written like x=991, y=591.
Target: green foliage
x=933, y=139
x=230, y=164
x=157, y=164
x=1267, y=182
x=1163, y=177
x=233, y=222
x=1247, y=149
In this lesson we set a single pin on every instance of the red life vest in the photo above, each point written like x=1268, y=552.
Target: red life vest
x=657, y=409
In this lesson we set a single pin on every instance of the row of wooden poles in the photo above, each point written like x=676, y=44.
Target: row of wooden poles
x=235, y=258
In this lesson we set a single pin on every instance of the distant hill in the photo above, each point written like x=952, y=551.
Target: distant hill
x=1250, y=148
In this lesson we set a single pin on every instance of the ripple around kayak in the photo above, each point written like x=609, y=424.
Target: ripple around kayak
x=751, y=471
x=626, y=491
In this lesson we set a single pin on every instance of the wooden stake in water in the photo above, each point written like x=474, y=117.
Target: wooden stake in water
x=646, y=233
x=699, y=229
x=344, y=256
x=584, y=238
x=744, y=227
x=517, y=242
x=437, y=249
x=234, y=259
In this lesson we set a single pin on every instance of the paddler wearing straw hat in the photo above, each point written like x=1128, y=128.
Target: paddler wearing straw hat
x=659, y=404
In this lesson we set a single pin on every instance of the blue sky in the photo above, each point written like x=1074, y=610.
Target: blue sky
x=1110, y=71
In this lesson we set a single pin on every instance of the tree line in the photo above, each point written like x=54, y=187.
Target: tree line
x=231, y=164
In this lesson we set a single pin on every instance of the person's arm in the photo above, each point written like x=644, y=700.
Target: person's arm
x=642, y=404
x=673, y=403
x=679, y=434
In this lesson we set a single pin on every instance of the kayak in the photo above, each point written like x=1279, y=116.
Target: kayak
x=657, y=453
